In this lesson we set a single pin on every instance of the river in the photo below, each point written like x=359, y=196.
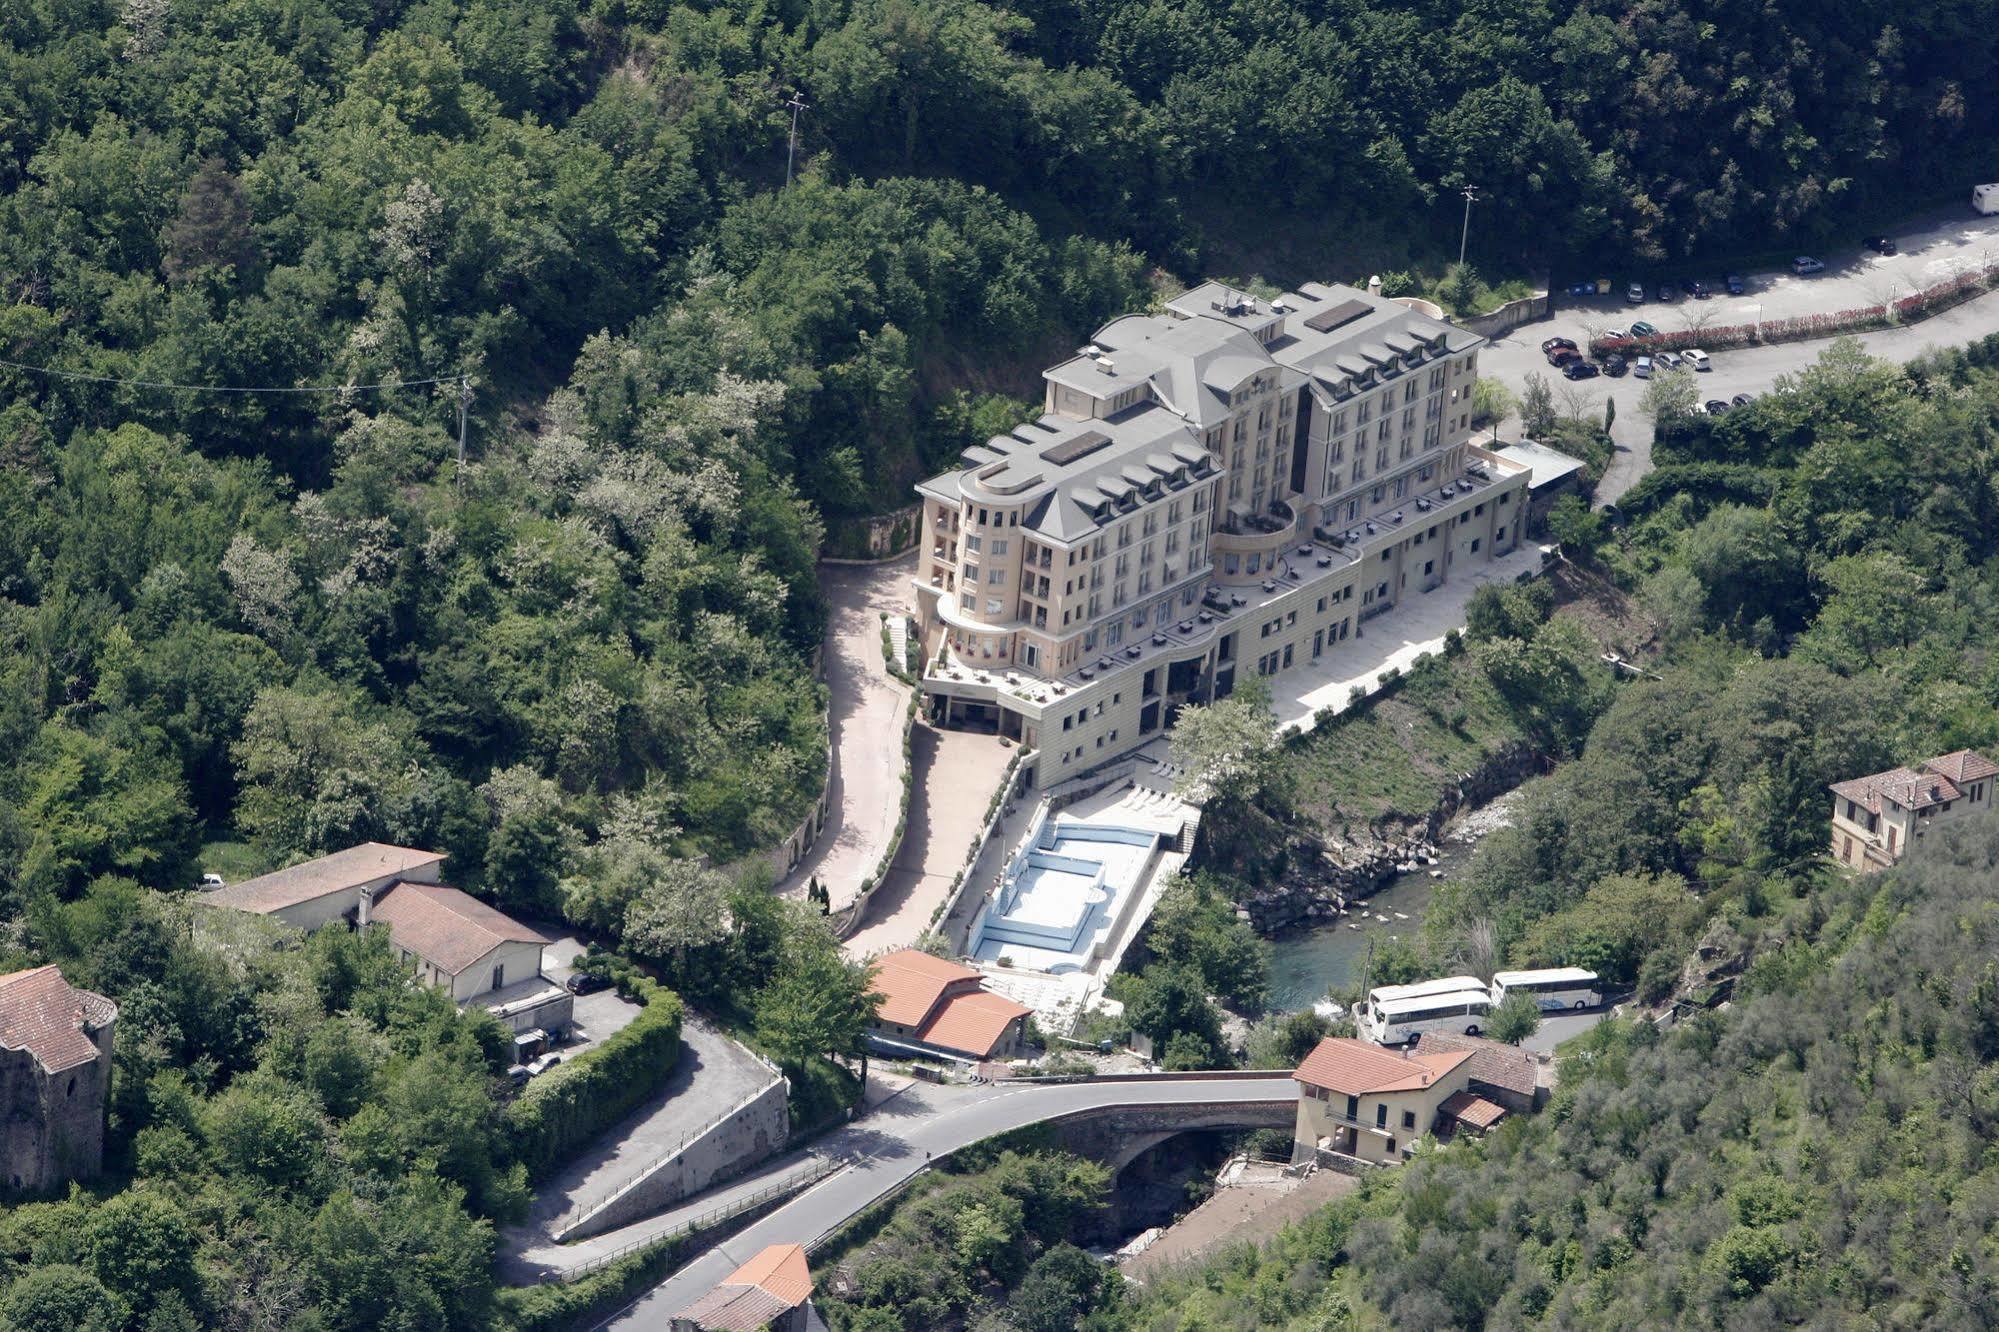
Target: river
x=1305, y=963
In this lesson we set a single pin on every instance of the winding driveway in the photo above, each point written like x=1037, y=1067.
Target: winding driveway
x=864, y=710
x=894, y=1143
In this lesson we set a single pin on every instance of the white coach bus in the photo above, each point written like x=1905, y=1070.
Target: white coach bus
x=1395, y=1014
x=1553, y=988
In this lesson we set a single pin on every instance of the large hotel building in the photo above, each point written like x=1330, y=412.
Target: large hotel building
x=1235, y=485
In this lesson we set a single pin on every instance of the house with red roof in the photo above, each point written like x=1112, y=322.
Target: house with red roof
x=940, y=1007
x=1363, y=1103
x=1875, y=818
x=55, y=1075
x=328, y=888
x=772, y=1290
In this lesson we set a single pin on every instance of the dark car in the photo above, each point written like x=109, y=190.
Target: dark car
x=585, y=982
x=1742, y=399
x=1641, y=329
x=1715, y=406
x=1697, y=289
x=1615, y=365
x=1561, y=356
x=1581, y=369
x=1880, y=244
x=1736, y=286
x=1666, y=292
x=1553, y=343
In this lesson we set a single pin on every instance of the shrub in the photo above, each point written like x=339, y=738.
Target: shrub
x=572, y=1103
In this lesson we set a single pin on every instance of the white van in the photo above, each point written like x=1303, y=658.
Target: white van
x=1697, y=358
x=1985, y=198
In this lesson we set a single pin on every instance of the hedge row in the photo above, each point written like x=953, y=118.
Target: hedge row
x=1929, y=300
x=572, y=1103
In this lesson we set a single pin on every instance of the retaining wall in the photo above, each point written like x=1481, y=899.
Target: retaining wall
x=749, y=1133
x=1509, y=316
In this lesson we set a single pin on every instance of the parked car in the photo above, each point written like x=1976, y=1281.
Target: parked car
x=1615, y=335
x=1561, y=356
x=1715, y=406
x=585, y=982
x=1553, y=343
x=1880, y=244
x=1641, y=329
x=1615, y=365
x=1743, y=399
x=1642, y=367
x=208, y=883
x=518, y=1075
x=1666, y=360
x=1581, y=369
x=1736, y=286
x=1697, y=358
x=537, y=1067
x=1804, y=264
x=1666, y=291
x=1697, y=289
x=1635, y=293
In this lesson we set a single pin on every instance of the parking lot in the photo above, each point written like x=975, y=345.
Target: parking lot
x=1931, y=251
x=595, y=1016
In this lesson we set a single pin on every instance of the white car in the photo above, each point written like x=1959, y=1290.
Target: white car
x=1697, y=359
x=1667, y=360
x=1615, y=335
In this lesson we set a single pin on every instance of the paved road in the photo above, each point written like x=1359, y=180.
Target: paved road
x=897, y=1140
x=864, y=714
x=713, y=1073
x=1747, y=370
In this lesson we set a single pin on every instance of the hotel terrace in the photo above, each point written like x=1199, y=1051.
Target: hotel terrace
x=1235, y=485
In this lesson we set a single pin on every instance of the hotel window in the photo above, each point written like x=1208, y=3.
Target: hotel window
x=996, y=577
x=999, y=545
x=972, y=541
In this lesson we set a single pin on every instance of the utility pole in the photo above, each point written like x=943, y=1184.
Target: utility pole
x=1471, y=197
x=797, y=104
x=464, y=405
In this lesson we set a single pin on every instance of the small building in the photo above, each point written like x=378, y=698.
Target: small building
x=1875, y=818
x=1504, y=1074
x=319, y=892
x=472, y=951
x=933, y=1006
x=1359, y=1101
x=1551, y=475
x=55, y=1076
x=772, y=1290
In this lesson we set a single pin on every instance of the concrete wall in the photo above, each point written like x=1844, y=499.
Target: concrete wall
x=521, y=960
x=1510, y=316
x=743, y=1136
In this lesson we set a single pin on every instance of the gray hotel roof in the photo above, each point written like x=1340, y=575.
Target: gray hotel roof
x=1067, y=469
x=1192, y=360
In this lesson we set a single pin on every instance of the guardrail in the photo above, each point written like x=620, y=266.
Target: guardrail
x=822, y=1167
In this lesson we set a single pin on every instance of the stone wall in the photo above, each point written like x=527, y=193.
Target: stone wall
x=52, y=1124
x=744, y=1136
x=1509, y=316
x=1328, y=878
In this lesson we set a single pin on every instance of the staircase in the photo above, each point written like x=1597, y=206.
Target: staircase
x=898, y=639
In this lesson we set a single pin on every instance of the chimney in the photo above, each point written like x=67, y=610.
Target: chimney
x=366, y=909
x=1374, y=286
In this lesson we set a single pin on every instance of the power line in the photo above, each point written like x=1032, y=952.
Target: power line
x=462, y=380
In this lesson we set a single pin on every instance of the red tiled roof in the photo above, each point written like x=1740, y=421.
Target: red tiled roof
x=1930, y=782
x=45, y=1015
x=1492, y=1062
x=770, y=1284
x=1355, y=1068
x=1471, y=1110
x=911, y=982
x=446, y=928
x=329, y=874
x=971, y=1022
x=1965, y=765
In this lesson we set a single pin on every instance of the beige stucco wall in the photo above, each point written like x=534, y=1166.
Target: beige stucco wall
x=325, y=910
x=1409, y=1116
x=521, y=961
